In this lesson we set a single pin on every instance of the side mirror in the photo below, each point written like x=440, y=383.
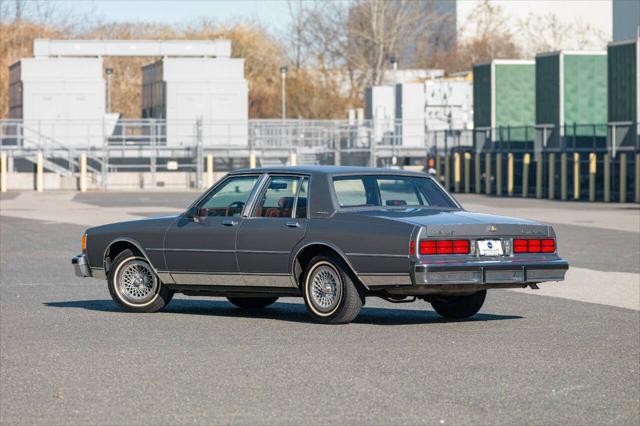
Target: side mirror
x=193, y=213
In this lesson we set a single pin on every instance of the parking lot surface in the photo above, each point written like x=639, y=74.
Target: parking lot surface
x=568, y=353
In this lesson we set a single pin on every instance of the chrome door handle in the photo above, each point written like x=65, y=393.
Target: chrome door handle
x=293, y=224
x=229, y=222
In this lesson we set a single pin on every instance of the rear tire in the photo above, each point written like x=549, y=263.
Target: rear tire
x=134, y=286
x=330, y=294
x=252, y=302
x=458, y=307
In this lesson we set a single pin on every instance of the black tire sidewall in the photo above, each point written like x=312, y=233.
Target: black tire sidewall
x=346, y=292
x=159, y=301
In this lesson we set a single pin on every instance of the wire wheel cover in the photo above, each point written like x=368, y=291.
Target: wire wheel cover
x=326, y=288
x=137, y=282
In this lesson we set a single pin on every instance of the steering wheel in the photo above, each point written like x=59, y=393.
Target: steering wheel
x=234, y=205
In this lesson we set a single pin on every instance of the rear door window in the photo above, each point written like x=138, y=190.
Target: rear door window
x=279, y=197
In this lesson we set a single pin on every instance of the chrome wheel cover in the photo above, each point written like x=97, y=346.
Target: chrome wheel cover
x=137, y=283
x=326, y=288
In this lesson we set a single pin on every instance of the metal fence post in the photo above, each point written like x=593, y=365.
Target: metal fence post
x=539, y=169
x=563, y=176
x=487, y=173
x=499, y=174
x=478, y=175
x=623, y=177
x=607, y=177
x=467, y=172
x=3, y=171
x=593, y=164
x=576, y=175
x=526, y=160
x=104, y=166
x=199, y=159
x=39, y=172
x=510, y=174
x=637, y=179
x=447, y=171
x=552, y=175
x=83, y=172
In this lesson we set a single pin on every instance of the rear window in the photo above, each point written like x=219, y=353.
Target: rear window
x=389, y=191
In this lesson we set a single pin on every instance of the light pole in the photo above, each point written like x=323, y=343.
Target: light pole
x=109, y=72
x=283, y=74
x=394, y=64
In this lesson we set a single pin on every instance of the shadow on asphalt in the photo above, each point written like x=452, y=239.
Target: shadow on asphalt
x=293, y=312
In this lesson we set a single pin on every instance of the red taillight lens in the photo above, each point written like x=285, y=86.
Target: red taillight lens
x=412, y=248
x=547, y=245
x=430, y=247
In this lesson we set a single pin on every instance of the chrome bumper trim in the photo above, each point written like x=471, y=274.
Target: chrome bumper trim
x=81, y=266
x=491, y=273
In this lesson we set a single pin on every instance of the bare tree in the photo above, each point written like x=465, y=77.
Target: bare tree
x=360, y=37
x=543, y=33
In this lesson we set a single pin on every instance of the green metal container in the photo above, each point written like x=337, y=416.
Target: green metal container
x=623, y=59
x=571, y=87
x=503, y=93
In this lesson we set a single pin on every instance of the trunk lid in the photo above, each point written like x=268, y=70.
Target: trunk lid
x=460, y=223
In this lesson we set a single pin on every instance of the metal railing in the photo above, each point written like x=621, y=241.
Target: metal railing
x=155, y=145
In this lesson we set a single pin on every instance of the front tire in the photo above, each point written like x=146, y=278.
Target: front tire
x=252, y=302
x=329, y=293
x=134, y=286
x=458, y=307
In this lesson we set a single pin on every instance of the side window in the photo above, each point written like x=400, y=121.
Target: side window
x=303, y=200
x=230, y=198
x=277, y=200
x=351, y=192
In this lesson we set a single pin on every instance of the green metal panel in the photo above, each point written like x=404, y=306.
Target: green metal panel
x=547, y=89
x=515, y=94
x=482, y=95
x=622, y=77
x=585, y=89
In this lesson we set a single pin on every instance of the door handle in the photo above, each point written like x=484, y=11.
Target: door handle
x=229, y=222
x=293, y=224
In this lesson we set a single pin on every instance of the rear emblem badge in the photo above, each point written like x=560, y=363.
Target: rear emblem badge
x=493, y=228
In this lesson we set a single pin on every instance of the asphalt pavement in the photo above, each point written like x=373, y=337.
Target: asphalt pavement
x=68, y=355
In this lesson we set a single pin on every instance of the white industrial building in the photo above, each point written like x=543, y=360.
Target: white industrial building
x=60, y=93
x=183, y=90
x=410, y=113
x=414, y=108
x=46, y=93
x=448, y=104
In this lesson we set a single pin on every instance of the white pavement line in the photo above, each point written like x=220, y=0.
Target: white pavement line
x=621, y=289
x=61, y=208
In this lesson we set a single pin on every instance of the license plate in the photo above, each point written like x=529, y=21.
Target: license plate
x=490, y=248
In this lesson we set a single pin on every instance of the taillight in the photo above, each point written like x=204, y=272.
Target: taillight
x=534, y=245
x=430, y=247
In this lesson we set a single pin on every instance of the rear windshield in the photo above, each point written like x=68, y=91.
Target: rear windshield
x=389, y=191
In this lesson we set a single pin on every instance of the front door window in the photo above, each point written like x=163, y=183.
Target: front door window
x=230, y=198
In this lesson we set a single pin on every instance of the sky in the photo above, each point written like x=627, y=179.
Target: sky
x=274, y=14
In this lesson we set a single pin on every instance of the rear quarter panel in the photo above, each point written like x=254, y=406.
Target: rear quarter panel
x=372, y=245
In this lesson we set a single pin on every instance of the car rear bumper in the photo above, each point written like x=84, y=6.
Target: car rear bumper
x=81, y=266
x=491, y=272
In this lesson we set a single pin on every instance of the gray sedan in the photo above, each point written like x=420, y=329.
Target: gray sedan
x=333, y=235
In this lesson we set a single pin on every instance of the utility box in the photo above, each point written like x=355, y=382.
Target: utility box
x=571, y=88
x=448, y=104
x=183, y=90
x=380, y=110
x=410, y=102
x=48, y=93
x=504, y=93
